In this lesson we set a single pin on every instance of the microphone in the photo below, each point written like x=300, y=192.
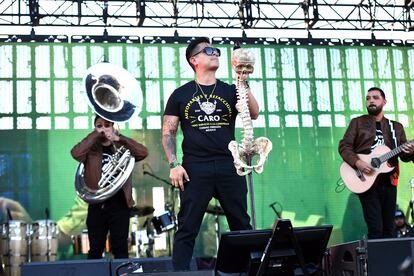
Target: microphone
x=9, y=215
x=411, y=182
x=144, y=171
x=47, y=213
x=272, y=205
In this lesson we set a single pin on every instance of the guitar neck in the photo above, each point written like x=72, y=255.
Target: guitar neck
x=392, y=153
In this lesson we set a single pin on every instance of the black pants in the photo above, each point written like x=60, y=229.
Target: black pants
x=378, y=206
x=112, y=216
x=207, y=180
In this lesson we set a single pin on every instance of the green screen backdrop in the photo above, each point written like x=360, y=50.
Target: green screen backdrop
x=307, y=96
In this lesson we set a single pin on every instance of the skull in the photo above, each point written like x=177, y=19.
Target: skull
x=243, y=63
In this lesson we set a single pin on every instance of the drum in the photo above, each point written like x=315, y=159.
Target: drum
x=81, y=243
x=13, y=246
x=44, y=241
x=164, y=222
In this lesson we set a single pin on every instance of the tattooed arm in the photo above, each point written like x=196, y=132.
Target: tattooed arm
x=178, y=175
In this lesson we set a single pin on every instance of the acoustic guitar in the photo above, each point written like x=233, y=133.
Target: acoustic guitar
x=357, y=181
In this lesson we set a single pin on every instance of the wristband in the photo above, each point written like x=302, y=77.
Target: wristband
x=174, y=164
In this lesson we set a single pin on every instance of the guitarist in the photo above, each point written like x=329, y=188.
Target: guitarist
x=364, y=133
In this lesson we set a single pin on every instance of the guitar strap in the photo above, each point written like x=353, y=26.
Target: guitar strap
x=392, y=132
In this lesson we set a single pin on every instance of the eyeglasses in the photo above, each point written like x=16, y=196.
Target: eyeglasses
x=209, y=51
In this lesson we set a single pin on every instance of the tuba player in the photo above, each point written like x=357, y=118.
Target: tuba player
x=94, y=151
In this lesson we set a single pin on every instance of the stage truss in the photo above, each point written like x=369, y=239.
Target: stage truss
x=367, y=15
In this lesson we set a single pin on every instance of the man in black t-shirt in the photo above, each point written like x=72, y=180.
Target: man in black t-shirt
x=205, y=109
x=363, y=135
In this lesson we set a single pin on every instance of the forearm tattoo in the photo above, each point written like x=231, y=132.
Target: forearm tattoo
x=169, y=132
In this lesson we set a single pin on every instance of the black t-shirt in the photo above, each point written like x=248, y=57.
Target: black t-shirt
x=106, y=155
x=207, y=119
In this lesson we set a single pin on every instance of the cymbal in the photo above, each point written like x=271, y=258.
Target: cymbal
x=141, y=211
x=215, y=210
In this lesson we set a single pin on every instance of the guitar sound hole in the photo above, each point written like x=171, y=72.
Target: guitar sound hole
x=375, y=162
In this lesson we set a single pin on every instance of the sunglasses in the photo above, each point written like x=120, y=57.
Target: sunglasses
x=209, y=51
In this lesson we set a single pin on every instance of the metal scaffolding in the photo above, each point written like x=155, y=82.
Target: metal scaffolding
x=366, y=15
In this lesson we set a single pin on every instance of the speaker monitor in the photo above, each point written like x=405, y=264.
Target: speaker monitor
x=102, y=267
x=67, y=268
x=383, y=257
x=386, y=255
x=343, y=260
x=273, y=252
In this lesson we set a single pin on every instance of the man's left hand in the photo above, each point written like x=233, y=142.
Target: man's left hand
x=408, y=148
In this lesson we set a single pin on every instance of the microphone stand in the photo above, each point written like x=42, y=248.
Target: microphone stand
x=412, y=199
x=251, y=193
x=47, y=235
x=157, y=177
x=169, y=205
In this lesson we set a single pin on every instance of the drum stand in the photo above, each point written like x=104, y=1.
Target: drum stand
x=170, y=206
x=29, y=242
x=217, y=225
x=150, y=235
x=138, y=240
x=48, y=252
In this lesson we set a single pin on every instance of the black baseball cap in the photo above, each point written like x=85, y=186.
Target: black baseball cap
x=399, y=214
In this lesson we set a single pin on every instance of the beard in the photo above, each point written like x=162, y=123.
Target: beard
x=374, y=110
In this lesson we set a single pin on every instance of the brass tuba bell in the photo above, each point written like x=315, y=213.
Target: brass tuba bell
x=114, y=94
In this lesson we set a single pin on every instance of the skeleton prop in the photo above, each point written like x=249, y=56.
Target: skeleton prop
x=242, y=63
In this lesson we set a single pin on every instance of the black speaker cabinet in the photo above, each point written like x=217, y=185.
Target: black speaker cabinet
x=381, y=257
x=385, y=256
x=67, y=268
x=343, y=259
x=104, y=267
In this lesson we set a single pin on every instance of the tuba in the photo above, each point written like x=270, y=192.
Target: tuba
x=113, y=94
